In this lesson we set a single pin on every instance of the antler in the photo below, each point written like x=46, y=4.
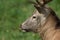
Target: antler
x=40, y=5
x=43, y=2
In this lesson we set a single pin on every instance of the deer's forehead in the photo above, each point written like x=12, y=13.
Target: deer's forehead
x=36, y=13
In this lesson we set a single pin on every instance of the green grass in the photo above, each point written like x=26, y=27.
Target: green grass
x=13, y=13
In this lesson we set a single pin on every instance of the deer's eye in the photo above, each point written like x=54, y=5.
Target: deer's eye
x=34, y=17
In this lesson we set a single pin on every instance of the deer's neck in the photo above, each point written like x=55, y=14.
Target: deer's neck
x=48, y=30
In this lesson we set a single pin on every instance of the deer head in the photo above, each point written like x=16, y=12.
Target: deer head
x=38, y=18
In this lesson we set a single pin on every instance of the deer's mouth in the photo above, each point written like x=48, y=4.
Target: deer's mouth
x=26, y=30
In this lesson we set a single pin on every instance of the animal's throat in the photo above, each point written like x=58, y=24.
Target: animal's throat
x=48, y=28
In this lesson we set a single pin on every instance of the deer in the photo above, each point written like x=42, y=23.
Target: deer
x=44, y=21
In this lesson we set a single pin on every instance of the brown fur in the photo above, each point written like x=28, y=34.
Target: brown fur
x=50, y=30
x=44, y=21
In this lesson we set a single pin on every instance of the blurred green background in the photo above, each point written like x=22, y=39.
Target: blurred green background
x=13, y=13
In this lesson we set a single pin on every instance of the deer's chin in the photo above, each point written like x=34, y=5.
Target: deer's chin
x=25, y=30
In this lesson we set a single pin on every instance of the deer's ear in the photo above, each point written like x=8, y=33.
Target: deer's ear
x=44, y=10
x=48, y=11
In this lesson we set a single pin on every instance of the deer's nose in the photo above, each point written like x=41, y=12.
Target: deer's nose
x=20, y=27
